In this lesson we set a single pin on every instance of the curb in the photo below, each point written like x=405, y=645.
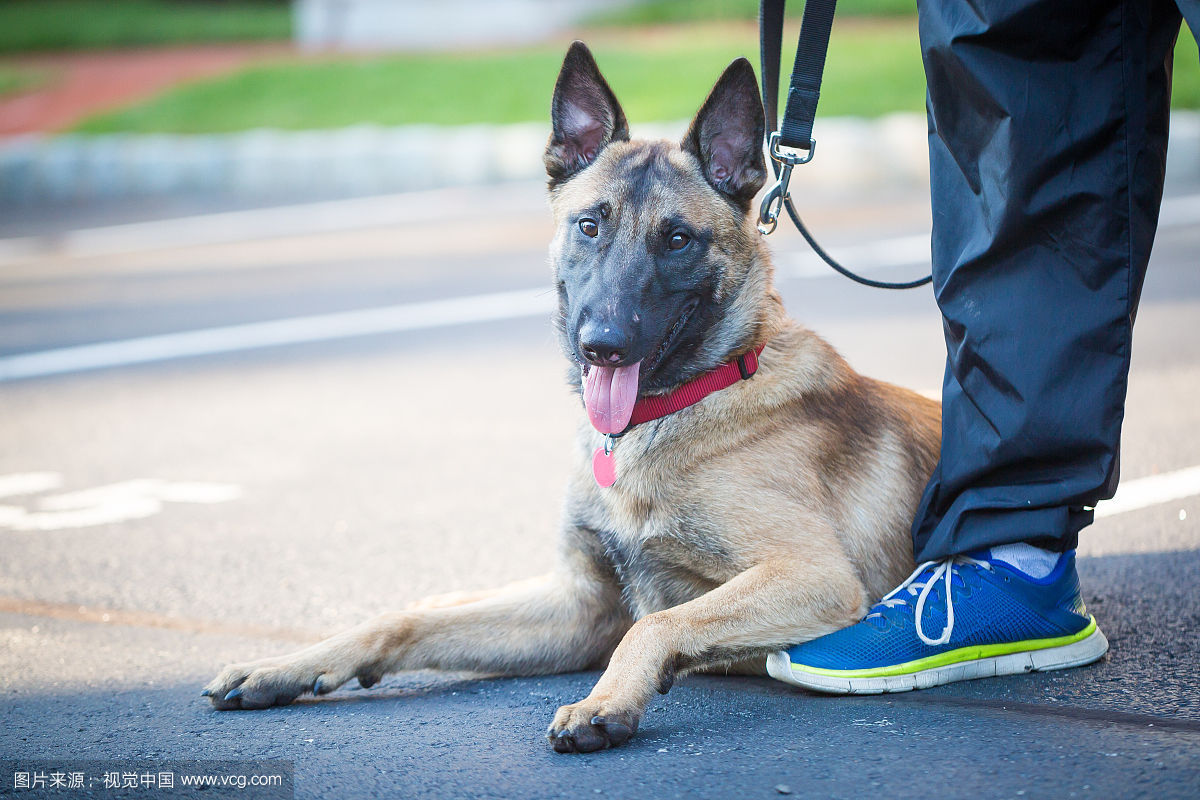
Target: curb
x=853, y=155
x=371, y=160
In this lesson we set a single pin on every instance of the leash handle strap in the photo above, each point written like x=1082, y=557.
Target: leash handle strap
x=803, y=94
x=805, y=88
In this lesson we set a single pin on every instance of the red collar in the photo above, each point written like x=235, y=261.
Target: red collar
x=604, y=468
x=692, y=392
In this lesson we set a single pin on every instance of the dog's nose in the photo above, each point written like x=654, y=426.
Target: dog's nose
x=603, y=345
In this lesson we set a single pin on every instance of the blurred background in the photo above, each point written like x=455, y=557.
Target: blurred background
x=318, y=98
x=275, y=356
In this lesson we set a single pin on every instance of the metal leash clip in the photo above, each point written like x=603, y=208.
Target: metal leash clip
x=772, y=204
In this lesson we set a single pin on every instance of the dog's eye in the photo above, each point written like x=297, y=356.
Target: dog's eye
x=678, y=241
x=589, y=227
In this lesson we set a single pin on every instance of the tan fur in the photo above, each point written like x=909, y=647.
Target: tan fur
x=770, y=513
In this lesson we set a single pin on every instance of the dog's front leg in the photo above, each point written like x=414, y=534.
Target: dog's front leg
x=567, y=621
x=768, y=607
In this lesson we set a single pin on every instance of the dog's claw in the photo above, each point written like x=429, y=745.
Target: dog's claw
x=206, y=693
x=233, y=693
x=615, y=732
x=318, y=688
x=579, y=729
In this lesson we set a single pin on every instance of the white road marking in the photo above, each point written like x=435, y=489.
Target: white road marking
x=904, y=251
x=117, y=502
x=256, y=224
x=28, y=483
x=1182, y=210
x=144, y=497
x=868, y=257
x=1141, y=492
x=1144, y=492
x=295, y=330
x=189, y=492
x=516, y=304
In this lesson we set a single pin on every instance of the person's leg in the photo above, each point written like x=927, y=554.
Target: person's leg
x=1191, y=13
x=1048, y=131
x=1048, y=127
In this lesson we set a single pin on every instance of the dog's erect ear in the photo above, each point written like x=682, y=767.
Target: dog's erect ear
x=585, y=114
x=727, y=135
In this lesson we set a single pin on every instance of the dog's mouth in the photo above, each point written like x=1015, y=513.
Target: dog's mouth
x=668, y=343
x=610, y=393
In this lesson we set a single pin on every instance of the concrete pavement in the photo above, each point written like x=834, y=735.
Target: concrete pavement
x=258, y=499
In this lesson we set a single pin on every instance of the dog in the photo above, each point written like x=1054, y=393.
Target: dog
x=766, y=513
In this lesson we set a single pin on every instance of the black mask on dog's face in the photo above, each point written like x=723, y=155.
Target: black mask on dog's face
x=649, y=233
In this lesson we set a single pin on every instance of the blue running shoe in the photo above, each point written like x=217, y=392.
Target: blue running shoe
x=960, y=618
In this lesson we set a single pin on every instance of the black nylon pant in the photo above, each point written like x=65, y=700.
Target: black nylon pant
x=1047, y=145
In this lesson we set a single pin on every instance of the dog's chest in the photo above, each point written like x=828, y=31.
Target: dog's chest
x=664, y=561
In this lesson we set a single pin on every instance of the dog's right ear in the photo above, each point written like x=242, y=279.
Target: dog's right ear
x=585, y=114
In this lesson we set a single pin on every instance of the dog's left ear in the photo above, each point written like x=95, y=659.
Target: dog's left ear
x=727, y=135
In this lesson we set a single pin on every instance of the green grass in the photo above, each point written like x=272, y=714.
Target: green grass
x=1185, y=91
x=659, y=12
x=19, y=79
x=874, y=67
x=663, y=75
x=28, y=25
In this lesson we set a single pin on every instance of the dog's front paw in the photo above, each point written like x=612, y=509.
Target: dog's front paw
x=591, y=725
x=266, y=683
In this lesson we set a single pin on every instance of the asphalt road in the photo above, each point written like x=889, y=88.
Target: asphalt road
x=160, y=520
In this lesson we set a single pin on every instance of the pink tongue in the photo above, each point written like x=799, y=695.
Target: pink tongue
x=609, y=394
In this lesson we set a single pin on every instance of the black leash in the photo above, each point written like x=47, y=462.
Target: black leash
x=798, y=115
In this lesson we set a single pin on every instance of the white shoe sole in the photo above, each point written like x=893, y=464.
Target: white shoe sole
x=1076, y=654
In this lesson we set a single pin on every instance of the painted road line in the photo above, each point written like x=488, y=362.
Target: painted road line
x=359, y=213
x=1144, y=492
x=256, y=224
x=516, y=304
x=294, y=330
x=906, y=251
x=28, y=483
x=105, y=505
x=901, y=251
x=1181, y=210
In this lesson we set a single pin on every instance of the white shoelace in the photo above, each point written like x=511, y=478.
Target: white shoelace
x=943, y=568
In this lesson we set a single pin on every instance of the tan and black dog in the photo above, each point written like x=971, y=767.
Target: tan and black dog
x=768, y=513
